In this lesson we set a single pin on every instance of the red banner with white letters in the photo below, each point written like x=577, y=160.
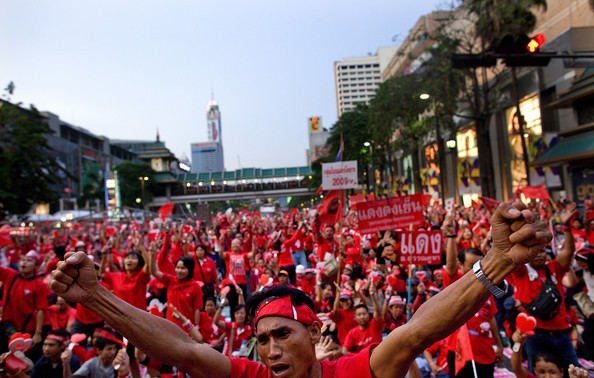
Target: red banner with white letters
x=421, y=247
x=390, y=213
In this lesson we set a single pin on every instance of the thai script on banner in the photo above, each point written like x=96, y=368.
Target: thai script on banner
x=420, y=247
x=390, y=214
x=340, y=175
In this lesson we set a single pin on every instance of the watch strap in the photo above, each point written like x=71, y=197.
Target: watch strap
x=497, y=291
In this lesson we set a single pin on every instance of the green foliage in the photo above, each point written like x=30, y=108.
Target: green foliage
x=131, y=186
x=354, y=128
x=498, y=18
x=28, y=167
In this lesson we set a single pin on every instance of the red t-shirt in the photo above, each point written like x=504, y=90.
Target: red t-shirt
x=354, y=365
x=208, y=329
x=441, y=349
x=185, y=295
x=205, y=270
x=391, y=324
x=358, y=339
x=527, y=290
x=59, y=320
x=27, y=296
x=326, y=246
x=239, y=335
x=130, y=288
x=236, y=264
x=345, y=321
x=309, y=286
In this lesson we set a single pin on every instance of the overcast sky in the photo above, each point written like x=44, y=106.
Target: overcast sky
x=122, y=69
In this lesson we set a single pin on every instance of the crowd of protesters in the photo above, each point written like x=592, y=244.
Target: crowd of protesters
x=199, y=275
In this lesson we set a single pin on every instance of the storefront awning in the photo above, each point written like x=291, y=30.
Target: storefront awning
x=570, y=148
x=581, y=88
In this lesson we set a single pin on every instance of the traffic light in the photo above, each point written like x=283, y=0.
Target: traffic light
x=521, y=51
x=472, y=60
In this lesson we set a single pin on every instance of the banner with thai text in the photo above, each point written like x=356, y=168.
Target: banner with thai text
x=390, y=213
x=421, y=247
x=340, y=175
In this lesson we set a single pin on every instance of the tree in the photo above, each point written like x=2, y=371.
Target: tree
x=28, y=167
x=472, y=29
x=353, y=126
x=131, y=186
x=394, y=120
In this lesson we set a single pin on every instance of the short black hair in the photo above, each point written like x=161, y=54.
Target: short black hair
x=141, y=261
x=362, y=306
x=297, y=297
x=549, y=356
x=60, y=332
x=472, y=251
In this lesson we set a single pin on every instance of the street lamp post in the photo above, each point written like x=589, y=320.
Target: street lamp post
x=370, y=183
x=439, y=141
x=142, y=180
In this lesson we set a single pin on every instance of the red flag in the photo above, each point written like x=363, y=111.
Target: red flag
x=475, y=204
x=319, y=191
x=166, y=209
x=330, y=209
x=490, y=203
x=463, y=348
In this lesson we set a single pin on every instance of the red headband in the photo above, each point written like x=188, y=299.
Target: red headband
x=58, y=338
x=283, y=307
x=107, y=336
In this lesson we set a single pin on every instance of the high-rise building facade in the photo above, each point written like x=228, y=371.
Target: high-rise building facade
x=357, y=78
x=208, y=156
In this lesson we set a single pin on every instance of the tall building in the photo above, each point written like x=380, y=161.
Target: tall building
x=208, y=156
x=357, y=79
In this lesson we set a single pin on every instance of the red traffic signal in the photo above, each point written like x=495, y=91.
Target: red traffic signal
x=535, y=43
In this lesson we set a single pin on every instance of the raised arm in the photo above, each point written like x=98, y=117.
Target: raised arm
x=566, y=254
x=75, y=280
x=449, y=232
x=517, y=239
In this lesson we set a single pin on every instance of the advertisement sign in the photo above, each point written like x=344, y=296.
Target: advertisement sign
x=340, y=175
x=390, y=213
x=314, y=124
x=420, y=247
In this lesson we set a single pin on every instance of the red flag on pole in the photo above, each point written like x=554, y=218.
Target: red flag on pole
x=463, y=348
x=330, y=209
x=490, y=203
x=166, y=210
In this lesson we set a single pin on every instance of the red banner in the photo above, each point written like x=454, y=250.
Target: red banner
x=420, y=247
x=390, y=214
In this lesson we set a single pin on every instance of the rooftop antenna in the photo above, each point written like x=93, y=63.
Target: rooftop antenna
x=158, y=136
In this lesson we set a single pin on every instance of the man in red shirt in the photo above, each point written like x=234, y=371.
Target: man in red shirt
x=24, y=300
x=482, y=327
x=552, y=334
x=368, y=331
x=237, y=265
x=287, y=329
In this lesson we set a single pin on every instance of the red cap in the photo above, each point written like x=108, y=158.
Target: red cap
x=34, y=255
x=283, y=272
x=284, y=308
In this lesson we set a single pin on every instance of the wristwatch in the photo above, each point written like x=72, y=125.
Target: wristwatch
x=497, y=291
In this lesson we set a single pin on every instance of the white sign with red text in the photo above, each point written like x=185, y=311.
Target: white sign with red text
x=340, y=175
x=420, y=247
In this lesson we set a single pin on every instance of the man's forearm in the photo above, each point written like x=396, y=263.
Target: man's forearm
x=157, y=337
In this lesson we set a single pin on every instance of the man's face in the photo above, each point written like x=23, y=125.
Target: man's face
x=283, y=278
x=540, y=260
x=27, y=265
x=107, y=354
x=469, y=261
x=52, y=349
x=286, y=346
x=362, y=316
x=328, y=232
x=236, y=245
x=397, y=311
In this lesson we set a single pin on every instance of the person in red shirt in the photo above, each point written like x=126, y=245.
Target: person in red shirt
x=343, y=314
x=131, y=283
x=528, y=280
x=236, y=331
x=237, y=265
x=287, y=329
x=211, y=333
x=183, y=291
x=368, y=331
x=482, y=328
x=308, y=283
x=437, y=358
x=61, y=315
x=394, y=315
x=24, y=301
x=205, y=271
